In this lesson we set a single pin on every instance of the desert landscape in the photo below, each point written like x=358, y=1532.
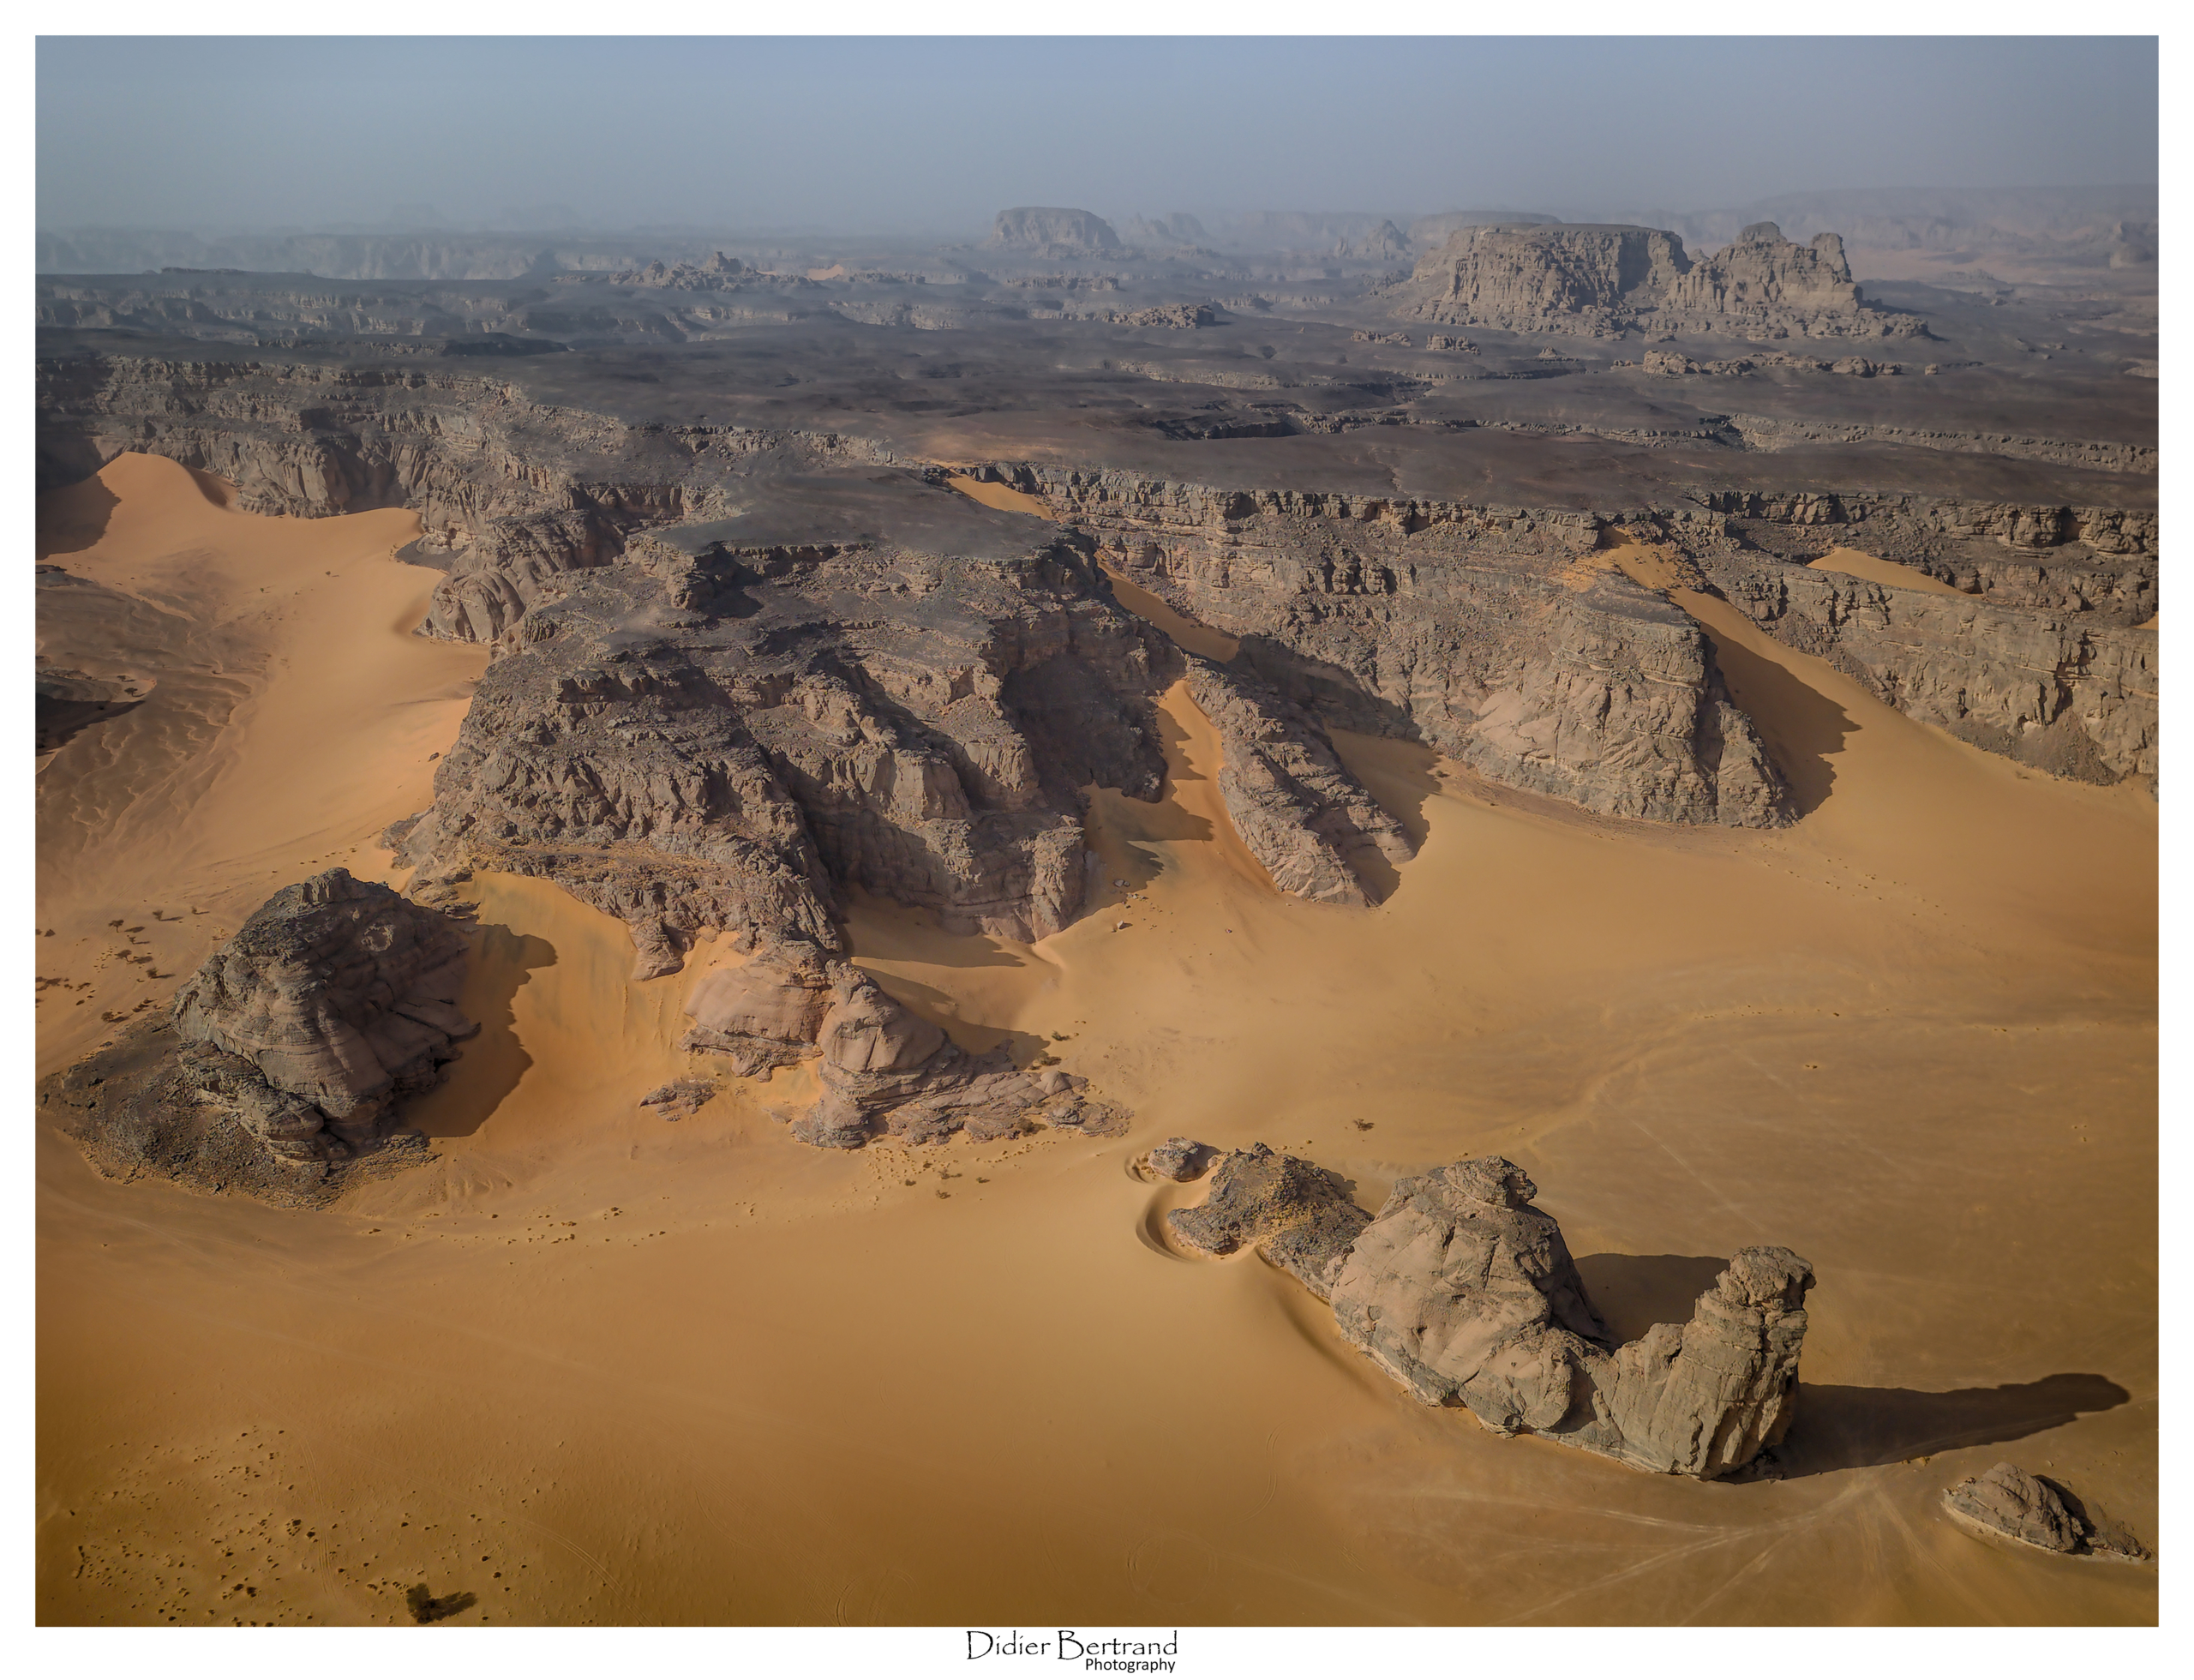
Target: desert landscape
x=1323, y=921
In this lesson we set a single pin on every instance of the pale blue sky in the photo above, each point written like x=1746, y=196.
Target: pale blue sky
x=932, y=136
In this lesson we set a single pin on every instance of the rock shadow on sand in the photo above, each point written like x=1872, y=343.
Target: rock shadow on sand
x=1842, y=1428
x=493, y=1060
x=74, y=518
x=1801, y=727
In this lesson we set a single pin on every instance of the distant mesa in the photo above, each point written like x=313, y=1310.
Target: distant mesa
x=1431, y=233
x=1178, y=228
x=1043, y=231
x=1602, y=280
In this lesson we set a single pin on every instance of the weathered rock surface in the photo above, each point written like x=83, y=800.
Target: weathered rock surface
x=2006, y=1503
x=715, y=733
x=1465, y=1295
x=1044, y=231
x=1300, y=810
x=1474, y=630
x=885, y=1070
x=288, y=1056
x=1294, y=1214
x=341, y=992
x=1603, y=281
x=1180, y=1159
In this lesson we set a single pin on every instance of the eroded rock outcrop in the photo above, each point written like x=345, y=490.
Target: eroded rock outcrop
x=715, y=734
x=2006, y=1503
x=1292, y=1212
x=1300, y=810
x=885, y=1070
x=1465, y=1295
x=287, y=1058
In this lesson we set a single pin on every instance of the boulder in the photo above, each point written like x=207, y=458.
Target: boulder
x=2006, y=1503
x=339, y=993
x=284, y=1063
x=1294, y=1214
x=1464, y=1294
x=1181, y=1160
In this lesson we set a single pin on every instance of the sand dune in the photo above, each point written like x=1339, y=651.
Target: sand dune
x=589, y=1366
x=288, y=715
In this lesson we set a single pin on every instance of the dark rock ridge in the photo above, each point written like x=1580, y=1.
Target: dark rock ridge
x=2006, y=1503
x=715, y=731
x=1603, y=281
x=1465, y=1295
x=288, y=1057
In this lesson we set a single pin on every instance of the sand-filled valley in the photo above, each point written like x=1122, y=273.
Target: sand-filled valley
x=589, y=1365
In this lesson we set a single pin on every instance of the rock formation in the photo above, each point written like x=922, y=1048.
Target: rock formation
x=2006, y=1503
x=1465, y=1295
x=1039, y=230
x=1295, y=1215
x=715, y=736
x=1603, y=281
x=1299, y=809
x=1471, y=629
x=288, y=1056
x=1179, y=1160
x=883, y=1069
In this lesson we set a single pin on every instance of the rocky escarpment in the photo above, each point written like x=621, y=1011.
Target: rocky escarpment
x=288, y=1056
x=1044, y=231
x=1465, y=1295
x=1473, y=629
x=2045, y=654
x=512, y=495
x=1603, y=281
x=712, y=735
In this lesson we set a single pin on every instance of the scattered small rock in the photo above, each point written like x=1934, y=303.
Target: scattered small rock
x=1181, y=1159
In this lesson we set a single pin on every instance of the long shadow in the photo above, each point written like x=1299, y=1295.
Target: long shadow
x=492, y=1061
x=1801, y=727
x=74, y=518
x=1840, y=1427
x=1635, y=1292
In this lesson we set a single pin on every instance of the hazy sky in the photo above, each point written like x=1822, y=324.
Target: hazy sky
x=929, y=135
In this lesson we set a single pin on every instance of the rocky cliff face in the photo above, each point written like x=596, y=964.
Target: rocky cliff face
x=1605, y=281
x=2046, y=654
x=1476, y=630
x=289, y=1054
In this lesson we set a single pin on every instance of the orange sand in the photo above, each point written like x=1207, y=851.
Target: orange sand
x=592, y=1366
x=1854, y=564
x=1004, y=497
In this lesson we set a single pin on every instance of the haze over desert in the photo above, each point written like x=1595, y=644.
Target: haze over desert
x=802, y=883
